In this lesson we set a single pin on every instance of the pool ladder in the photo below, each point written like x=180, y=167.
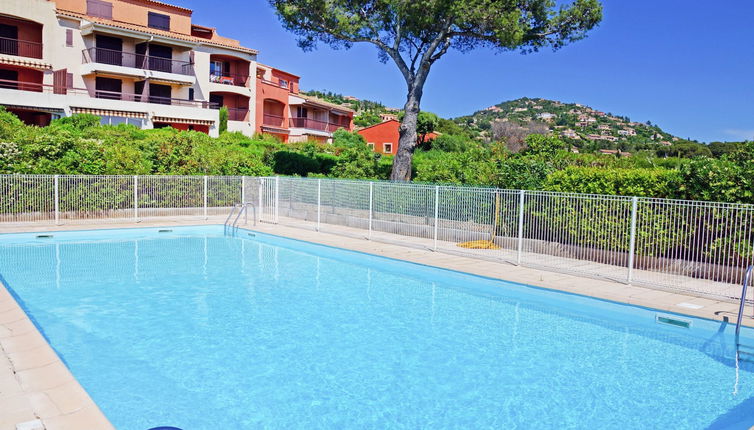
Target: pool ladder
x=743, y=351
x=238, y=210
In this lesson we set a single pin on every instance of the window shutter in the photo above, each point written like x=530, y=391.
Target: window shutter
x=69, y=37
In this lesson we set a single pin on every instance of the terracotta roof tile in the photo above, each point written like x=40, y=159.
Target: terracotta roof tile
x=142, y=29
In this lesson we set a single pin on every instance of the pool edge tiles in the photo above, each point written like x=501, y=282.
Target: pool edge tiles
x=39, y=388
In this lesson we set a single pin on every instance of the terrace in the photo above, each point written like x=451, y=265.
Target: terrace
x=133, y=60
x=20, y=38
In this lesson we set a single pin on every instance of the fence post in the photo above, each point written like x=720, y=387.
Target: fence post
x=57, y=199
x=371, y=206
x=520, y=247
x=243, y=189
x=261, y=199
x=437, y=211
x=277, y=199
x=205, y=197
x=319, y=201
x=136, y=198
x=632, y=240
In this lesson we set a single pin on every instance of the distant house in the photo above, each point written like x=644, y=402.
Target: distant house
x=546, y=116
x=351, y=98
x=598, y=113
x=587, y=118
x=582, y=124
x=388, y=116
x=616, y=152
x=627, y=132
x=603, y=127
x=570, y=134
x=520, y=110
x=383, y=137
x=666, y=143
x=494, y=109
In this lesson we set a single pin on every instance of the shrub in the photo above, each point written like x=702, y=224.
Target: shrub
x=294, y=163
x=626, y=182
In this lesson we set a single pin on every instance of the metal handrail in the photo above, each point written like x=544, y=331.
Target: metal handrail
x=747, y=278
x=242, y=210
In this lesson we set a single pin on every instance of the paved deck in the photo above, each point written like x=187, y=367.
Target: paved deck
x=38, y=392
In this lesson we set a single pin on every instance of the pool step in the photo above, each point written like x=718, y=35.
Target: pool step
x=746, y=352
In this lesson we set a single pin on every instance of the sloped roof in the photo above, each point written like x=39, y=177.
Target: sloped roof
x=142, y=29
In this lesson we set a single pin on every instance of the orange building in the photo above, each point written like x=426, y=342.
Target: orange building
x=281, y=110
x=383, y=137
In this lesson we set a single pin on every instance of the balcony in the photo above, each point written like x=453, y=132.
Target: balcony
x=38, y=87
x=313, y=124
x=229, y=79
x=21, y=48
x=271, y=120
x=237, y=114
x=140, y=98
x=286, y=86
x=137, y=61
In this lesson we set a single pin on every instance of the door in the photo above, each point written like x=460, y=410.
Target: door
x=109, y=50
x=108, y=88
x=216, y=100
x=8, y=39
x=161, y=58
x=141, y=56
x=159, y=94
x=9, y=79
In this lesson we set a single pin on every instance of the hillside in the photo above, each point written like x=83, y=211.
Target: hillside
x=579, y=125
x=582, y=127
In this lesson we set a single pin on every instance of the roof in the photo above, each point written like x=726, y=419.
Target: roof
x=172, y=6
x=319, y=101
x=142, y=29
x=377, y=125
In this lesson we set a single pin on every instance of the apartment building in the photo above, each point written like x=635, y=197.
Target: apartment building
x=144, y=62
x=282, y=110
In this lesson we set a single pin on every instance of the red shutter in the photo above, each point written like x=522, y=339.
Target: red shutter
x=60, y=81
x=69, y=37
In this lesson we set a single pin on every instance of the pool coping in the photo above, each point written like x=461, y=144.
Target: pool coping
x=38, y=390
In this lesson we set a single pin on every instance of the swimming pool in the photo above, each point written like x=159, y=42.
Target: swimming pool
x=190, y=328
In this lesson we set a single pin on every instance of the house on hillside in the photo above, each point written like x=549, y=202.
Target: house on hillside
x=603, y=127
x=616, y=152
x=388, y=117
x=383, y=137
x=627, y=132
x=546, y=116
x=570, y=134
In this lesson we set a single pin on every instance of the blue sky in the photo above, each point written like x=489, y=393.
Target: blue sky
x=686, y=65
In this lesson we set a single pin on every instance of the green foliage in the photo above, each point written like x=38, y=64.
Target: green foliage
x=366, y=119
x=624, y=182
x=545, y=146
x=294, y=163
x=223, y=119
x=346, y=139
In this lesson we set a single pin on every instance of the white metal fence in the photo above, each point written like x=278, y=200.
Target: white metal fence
x=698, y=247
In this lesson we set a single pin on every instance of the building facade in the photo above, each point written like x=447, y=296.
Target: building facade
x=383, y=137
x=143, y=62
x=282, y=110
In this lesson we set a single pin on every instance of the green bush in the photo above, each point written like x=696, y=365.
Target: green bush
x=294, y=163
x=625, y=182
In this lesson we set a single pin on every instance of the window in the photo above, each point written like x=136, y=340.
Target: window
x=371, y=145
x=387, y=148
x=158, y=21
x=283, y=83
x=108, y=88
x=68, y=37
x=99, y=8
x=191, y=94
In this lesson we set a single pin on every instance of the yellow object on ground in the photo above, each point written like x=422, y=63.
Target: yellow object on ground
x=479, y=244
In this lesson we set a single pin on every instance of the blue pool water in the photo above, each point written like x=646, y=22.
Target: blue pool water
x=193, y=329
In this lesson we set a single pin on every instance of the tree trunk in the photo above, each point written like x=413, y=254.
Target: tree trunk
x=408, y=139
